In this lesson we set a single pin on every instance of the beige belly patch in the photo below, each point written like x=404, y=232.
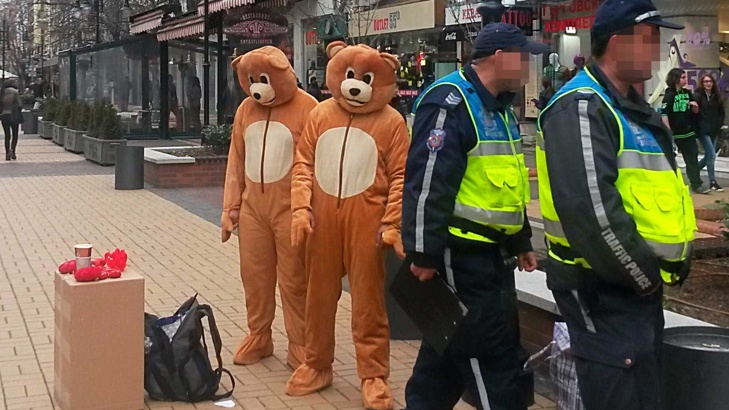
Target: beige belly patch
x=279, y=151
x=359, y=162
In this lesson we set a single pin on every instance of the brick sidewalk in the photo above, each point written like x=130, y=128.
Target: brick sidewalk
x=51, y=199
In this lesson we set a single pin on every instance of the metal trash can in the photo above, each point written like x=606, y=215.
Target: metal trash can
x=129, y=167
x=695, y=368
x=401, y=326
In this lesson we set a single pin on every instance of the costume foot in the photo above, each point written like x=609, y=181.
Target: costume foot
x=376, y=394
x=254, y=348
x=306, y=380
x=296, y=356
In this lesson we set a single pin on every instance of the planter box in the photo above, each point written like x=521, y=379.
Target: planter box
x=74, y=141
x=45, y=129
x=168, y=171
x=102, y=152
x=58, y=135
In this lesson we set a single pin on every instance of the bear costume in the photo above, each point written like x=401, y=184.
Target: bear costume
x=346, y=198
x=257, y=200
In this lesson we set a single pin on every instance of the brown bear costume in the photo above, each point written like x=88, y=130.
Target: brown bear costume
x=257, y=199
x=346, y=197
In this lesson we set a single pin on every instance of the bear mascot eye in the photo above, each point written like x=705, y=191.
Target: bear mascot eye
x=251, y=80
x=265, y=79
x=368, y=78
x=350, y=73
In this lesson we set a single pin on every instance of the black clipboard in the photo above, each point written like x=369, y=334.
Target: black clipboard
x=432, y=305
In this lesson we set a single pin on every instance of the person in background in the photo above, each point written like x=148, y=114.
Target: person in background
x=579, y=62
x=174, y=104
x=194, y=97
x=11, y=109
x=678, y=110
x=711, y=118
x=545, y=95
x=314, y=89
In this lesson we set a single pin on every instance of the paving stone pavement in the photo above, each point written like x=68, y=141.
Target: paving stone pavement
x=51, y=199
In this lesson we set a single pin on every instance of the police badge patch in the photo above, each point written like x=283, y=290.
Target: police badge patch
x=436, y=140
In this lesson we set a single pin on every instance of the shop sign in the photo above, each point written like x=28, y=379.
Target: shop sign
x=255, y=24
x=406, y=17
x=576, y=15
x=462, y=32
x=521, y=17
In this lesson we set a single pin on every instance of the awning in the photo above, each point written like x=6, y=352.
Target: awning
x=187, y=28
x=148, y=25
x=218, y=5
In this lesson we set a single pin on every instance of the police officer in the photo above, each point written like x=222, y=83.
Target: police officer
x=464, y=201
x=618, y=216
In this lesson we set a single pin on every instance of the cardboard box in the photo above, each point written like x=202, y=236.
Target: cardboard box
x=99, y=343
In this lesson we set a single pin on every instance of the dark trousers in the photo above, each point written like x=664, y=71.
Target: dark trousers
x=484, y=356
x=11, y=131
x=616, y=339
x=195, y=118
x=690, y=152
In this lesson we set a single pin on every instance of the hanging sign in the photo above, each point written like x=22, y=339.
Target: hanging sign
x=255, y=25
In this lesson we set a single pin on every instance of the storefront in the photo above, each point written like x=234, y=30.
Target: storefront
x=408, y=31
x=318, y=33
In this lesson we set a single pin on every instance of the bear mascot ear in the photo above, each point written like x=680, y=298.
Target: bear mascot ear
x=335, y=47
x=236, y=62
x=278, y=61
x=391, y=60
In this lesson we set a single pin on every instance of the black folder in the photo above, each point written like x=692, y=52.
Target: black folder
x=432, y=305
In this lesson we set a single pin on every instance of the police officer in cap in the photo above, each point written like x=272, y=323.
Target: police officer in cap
x=464, y=215
x=618, y=216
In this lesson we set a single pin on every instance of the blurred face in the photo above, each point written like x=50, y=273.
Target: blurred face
x=511, y=69
x=635, y=53
x=708, y=82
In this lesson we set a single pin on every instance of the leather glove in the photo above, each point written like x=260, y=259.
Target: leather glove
x=228, y=222
x=302, y=224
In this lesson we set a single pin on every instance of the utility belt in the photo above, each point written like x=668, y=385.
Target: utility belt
x=498, y=237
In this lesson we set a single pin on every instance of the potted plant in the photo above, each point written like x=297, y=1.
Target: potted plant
x=77, y=127
x=50, y=107
x=217, y=138
x=102, y=147
x=64, y=113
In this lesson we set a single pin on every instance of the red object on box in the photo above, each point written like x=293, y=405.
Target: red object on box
x=87, y=274
x=67, y=267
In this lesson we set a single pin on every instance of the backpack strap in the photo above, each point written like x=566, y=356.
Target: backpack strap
x=218, y=345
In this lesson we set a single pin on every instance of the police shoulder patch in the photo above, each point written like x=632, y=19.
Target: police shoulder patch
x=436, y=139
x=453, y=99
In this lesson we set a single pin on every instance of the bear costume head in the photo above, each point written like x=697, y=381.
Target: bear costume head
x=266, y=75
x=360, y=78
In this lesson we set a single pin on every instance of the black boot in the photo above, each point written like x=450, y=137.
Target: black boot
x=12, y=154
x=7, y=156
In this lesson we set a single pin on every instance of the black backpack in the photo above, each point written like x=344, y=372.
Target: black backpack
x=176, y=363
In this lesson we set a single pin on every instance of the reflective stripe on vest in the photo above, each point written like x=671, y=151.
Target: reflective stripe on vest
x=495, y=187
x=653, y=193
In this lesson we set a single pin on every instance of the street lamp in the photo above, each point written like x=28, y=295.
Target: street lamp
x=490, y=11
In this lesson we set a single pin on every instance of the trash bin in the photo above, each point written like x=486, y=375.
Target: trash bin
x=695, y=368
x=129, y=168
x=401, y=327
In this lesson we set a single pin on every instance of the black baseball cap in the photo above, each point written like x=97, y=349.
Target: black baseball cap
x=502, y=36
x=616, y=15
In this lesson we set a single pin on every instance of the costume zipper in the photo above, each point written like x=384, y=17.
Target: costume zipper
x=263, y=151
x=341, y=161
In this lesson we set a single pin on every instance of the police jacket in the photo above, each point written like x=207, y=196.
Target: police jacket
x=582, y=142
x=437, y=184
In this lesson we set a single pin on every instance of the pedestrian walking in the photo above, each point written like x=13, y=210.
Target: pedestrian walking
x=679, y=114
x=11, y=117
x=464, y=208
x=618, y=217
x=708, y=125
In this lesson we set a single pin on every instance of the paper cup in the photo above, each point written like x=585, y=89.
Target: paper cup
x=83, y=255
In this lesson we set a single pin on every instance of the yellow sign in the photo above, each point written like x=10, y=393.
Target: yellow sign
x=406, y=17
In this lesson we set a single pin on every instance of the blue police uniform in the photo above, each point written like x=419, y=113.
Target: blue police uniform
x=486, y=357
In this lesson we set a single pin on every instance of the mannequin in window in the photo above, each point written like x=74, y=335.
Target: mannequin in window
x=557, y=72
